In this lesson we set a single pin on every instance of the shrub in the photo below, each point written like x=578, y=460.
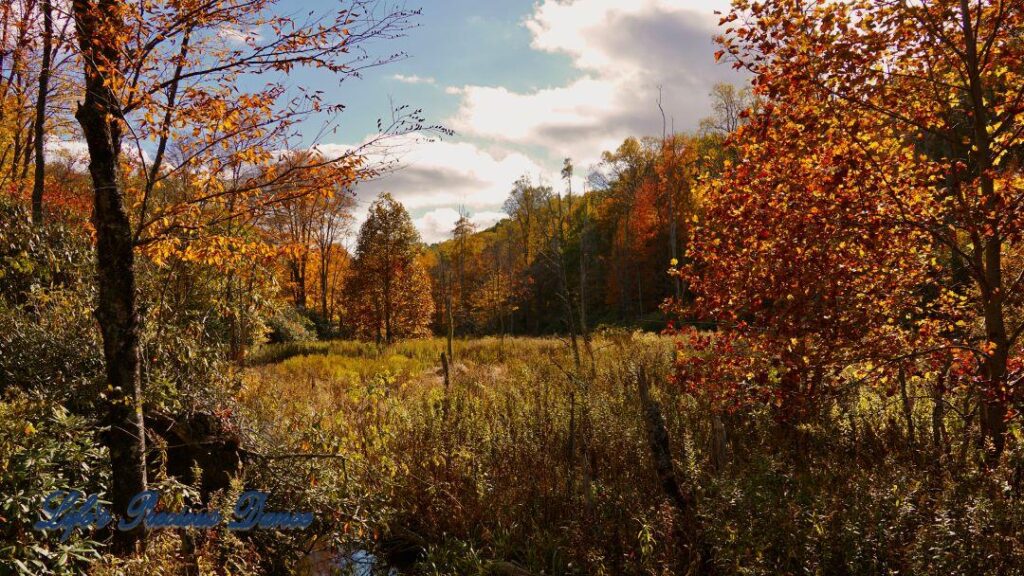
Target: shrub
x=288, y=325
x=44, y=448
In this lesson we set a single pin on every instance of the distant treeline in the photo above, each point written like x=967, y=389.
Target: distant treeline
x=568, y=259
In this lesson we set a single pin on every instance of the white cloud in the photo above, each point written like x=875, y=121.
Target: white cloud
x=413, y=79
x=433, y=174
x=622, y=52
x=237, y=36
x=437, y=225
x=76, y=152
x=581, y=28
x=434, y=178
x=575, y=106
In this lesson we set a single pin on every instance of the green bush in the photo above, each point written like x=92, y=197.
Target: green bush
x=288, y=325
x=44, y=448
x=49, y=341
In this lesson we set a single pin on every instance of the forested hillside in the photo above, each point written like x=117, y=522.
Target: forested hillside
x=603, y=250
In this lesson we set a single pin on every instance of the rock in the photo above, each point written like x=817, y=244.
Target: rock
x=197, y=439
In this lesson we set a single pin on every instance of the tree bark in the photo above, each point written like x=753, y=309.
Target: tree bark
x=939, y=440
x=40, y=122
x=451, y=317
x=97, y=25
x=325, y=263
x=993, y=404
x=298, y=273
x=908, y=408
x=584, y=329
x=388, y=333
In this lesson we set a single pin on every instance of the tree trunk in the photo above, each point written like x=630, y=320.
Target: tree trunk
x=908, y=408
x=298, y=267
x=697, y=558
x=325, y=262
x=673, y=243
x=939, y=414
x=558, y=241
x=116, y=309
x=587, y=343
x=451, y=317
x=993, y=404
x=40, y=122
x=388, y=334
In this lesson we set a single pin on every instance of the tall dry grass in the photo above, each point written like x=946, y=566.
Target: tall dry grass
x=524, y=462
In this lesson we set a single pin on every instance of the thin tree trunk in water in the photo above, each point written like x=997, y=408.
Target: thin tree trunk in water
x=40, y=122
x=116, y=309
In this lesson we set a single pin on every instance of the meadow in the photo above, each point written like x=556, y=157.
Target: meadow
x=520, y=464
x=206, y=289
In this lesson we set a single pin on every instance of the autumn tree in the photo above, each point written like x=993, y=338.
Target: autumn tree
x=18, y=35
x=909, y=125
x=463, y=259
x=389, y=287
x=525, y=205
x=730, y=106
x=33, y=53
x=333, y=222
x=629, y=212
x=169, y=73
x=308, y=223
x=494, y=284
x=496, y=297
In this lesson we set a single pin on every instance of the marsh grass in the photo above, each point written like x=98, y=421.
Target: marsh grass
x=523, y=460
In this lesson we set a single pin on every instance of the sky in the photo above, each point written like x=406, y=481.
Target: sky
x=525, y=84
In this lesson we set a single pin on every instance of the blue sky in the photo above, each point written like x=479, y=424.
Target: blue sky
x=524, y=84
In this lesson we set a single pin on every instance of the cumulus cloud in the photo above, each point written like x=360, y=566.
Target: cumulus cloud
x=413, y=79
x=622, y=52
x=587, y=30
x=574, y=107
x=75, y=152
x=436, y=225
x=434, y=174
x=433, y=178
